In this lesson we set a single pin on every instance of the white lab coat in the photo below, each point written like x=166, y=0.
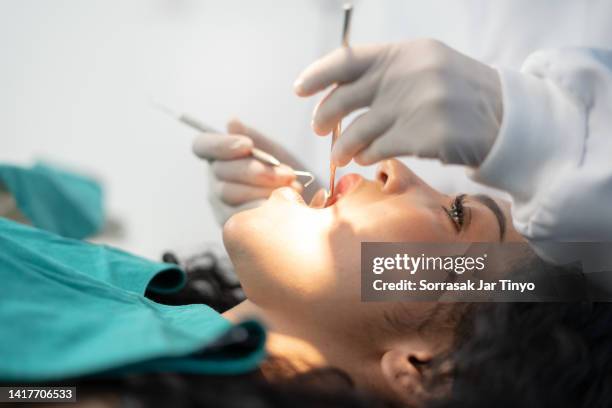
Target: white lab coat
x=553, y=154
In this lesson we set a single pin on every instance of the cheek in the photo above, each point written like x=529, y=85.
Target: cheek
x=393, y=225
x=405, y=225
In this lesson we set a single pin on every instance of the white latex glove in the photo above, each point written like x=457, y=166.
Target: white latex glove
x=237, y=181
x=425, y=99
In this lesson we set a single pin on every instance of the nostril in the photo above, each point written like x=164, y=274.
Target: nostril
x=382, y=176
x=384, y=173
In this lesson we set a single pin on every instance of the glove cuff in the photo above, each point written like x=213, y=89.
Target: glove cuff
x=540, y=138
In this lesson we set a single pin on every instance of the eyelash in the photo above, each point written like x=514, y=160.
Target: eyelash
x=457, y=211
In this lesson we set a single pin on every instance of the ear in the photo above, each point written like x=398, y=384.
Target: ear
x=403, y=371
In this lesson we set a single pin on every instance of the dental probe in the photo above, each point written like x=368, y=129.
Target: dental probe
x=348, y=11
x=259, y=154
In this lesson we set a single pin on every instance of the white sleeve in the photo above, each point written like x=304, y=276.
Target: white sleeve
x=553, y=153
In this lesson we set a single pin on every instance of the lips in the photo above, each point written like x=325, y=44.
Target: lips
x=345, y=185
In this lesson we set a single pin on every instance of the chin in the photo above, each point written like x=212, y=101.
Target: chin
x=244, y=241
x=237, y=231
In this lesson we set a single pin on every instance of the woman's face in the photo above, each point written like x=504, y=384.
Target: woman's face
x=287, y=253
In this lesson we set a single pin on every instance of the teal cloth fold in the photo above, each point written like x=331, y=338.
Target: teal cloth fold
x=70, y=309
x=53, y=199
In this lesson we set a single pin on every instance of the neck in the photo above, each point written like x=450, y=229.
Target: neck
x=283, y=340
x=303, y=346
x=306, y=348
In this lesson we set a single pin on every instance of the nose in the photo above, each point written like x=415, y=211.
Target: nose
x=396, y=177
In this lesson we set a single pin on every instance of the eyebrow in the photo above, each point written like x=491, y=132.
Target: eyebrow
x=495, y=209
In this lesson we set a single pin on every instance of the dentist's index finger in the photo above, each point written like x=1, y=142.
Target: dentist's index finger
x=340, y=66
x=236, y=126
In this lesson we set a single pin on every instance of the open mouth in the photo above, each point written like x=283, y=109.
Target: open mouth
x=344, y=186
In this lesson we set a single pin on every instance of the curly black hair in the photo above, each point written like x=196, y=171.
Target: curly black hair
x=532, y=355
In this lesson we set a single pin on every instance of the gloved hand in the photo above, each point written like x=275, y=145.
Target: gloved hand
x=425, y=99
x=237, y=181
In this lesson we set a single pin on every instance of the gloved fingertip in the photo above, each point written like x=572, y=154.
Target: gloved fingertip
x=297, y=186
x=344, y=163
x=285, y=172
x=198, y=146
x=235, y=125
x=241, y=144
x=298, y=86
x=318, y=129
x=366, y=159
x=339, y=159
